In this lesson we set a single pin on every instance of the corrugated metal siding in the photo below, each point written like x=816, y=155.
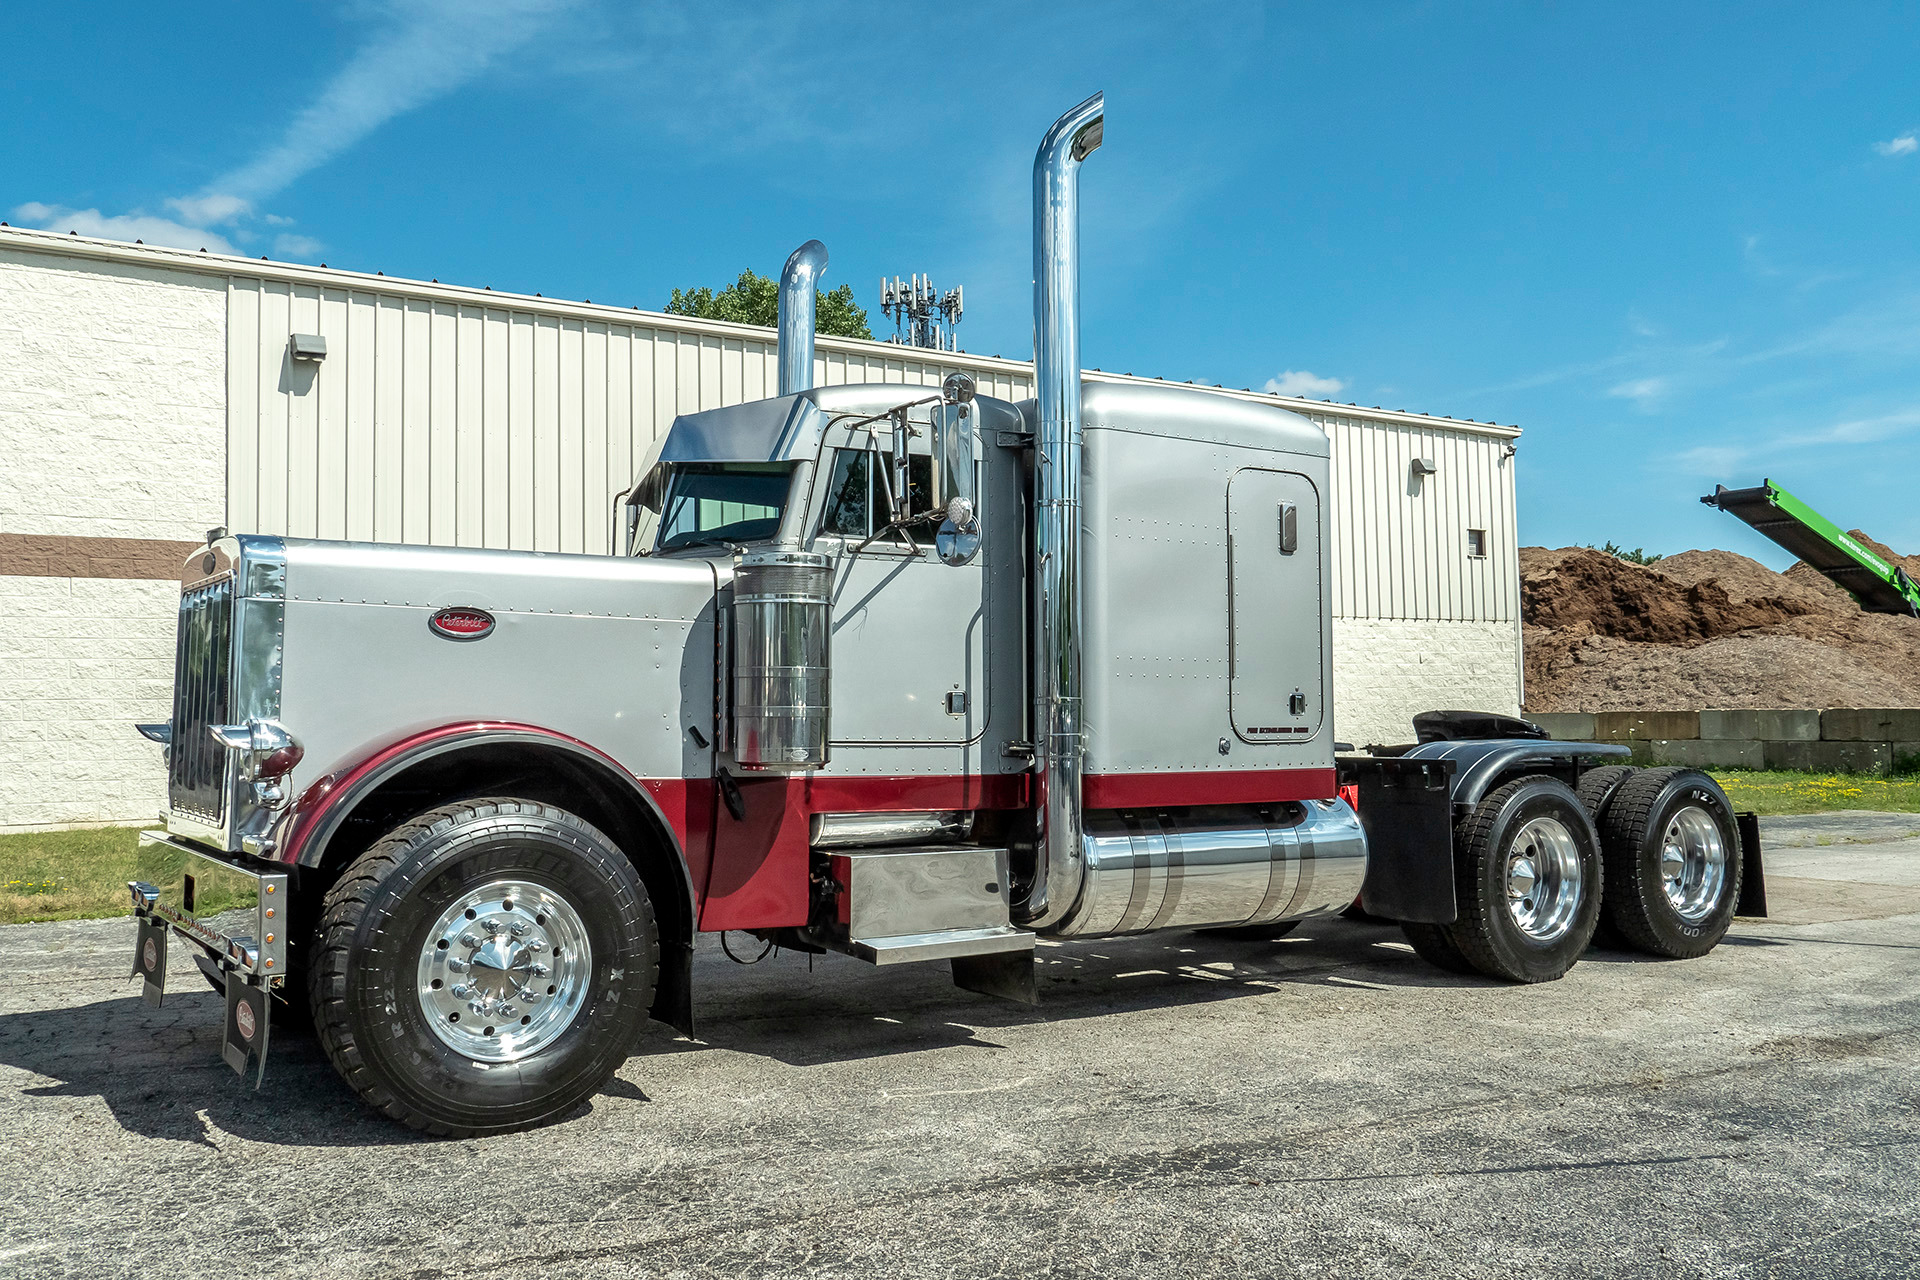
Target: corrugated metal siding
x=454, y=424
x=1400, y=552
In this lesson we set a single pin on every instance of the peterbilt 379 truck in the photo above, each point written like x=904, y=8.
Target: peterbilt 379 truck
x=910, y=676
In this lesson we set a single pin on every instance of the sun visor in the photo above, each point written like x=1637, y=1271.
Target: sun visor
x=776, y=430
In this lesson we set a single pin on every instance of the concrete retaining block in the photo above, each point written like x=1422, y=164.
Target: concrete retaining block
x=1566, y=726
x=1831, y=757
x=1710, y=753
x=1767, y=726
x=1847, y=724
x=1629, y=726
x=1906, y=757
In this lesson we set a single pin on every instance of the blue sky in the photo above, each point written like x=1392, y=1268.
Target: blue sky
x=1676, y=243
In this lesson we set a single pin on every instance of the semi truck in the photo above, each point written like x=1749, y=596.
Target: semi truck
x=912, y=675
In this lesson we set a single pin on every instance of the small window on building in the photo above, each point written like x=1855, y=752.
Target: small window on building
x=1477, y=543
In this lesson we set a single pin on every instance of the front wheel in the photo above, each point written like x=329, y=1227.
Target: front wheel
x=486, y=967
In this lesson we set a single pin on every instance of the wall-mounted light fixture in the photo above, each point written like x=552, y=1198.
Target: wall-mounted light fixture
x=307, y=346
x=1423, y=467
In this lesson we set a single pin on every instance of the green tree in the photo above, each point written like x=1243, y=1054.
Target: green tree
x=1635, y=556
x=755, y=299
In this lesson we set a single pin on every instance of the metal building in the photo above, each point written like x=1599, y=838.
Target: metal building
x=147, y=395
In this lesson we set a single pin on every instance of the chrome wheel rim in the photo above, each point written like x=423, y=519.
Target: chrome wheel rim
x=1693, y=864
x=504, y=971
x=1543, y=879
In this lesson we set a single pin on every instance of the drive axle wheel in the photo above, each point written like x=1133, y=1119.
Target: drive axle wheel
x=487, y=966
x=1672, y=862
x=1527, y=885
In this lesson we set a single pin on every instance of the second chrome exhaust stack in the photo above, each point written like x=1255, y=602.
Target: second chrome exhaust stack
x=1060, y=861
x=798, y=279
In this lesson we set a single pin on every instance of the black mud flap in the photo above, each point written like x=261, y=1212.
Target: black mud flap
x=246, y=1030
x=1008, y=975
x=1753, y=877
x=1406, y=809
x=150, y=958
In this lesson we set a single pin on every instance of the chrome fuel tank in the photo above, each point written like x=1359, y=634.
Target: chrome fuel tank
x=1191, y=868
x=782, y=662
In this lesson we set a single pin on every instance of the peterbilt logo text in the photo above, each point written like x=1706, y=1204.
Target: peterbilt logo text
x=460, y=623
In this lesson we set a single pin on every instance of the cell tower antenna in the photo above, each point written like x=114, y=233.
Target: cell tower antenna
x=922, y=316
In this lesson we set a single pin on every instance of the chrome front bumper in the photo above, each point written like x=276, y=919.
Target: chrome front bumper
x=234, y=910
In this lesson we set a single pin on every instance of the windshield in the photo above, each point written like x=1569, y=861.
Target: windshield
x=711, y=503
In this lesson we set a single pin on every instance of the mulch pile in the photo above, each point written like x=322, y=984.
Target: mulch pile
x=1706, y=629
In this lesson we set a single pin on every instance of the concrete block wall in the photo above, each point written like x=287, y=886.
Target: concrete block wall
x=1836, y=740
x=112, y=449
x=1385, y=671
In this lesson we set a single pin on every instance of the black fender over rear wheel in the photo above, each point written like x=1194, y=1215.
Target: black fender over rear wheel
x=1672, y=862
x=487, y=966
x=1527, y=882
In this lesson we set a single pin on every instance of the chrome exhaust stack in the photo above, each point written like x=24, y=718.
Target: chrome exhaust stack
x=798, y=279
x=1060, y=860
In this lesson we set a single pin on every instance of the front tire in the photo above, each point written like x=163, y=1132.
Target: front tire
x=487, y=966
x=1527, y=881
x=1672, y=863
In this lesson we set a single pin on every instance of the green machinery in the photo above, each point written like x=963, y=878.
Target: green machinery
x=1878, y=586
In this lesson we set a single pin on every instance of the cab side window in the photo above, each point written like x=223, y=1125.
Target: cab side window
x=857, y=499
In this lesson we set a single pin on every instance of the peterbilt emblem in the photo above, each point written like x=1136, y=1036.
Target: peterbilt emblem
x=150, y=956
x=244, y=1021
x=460, y=623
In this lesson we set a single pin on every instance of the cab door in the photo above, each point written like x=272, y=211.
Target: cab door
x=1274, y=648
x=909, y=632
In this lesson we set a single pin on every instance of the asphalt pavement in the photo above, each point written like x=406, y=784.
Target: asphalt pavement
x=1177, y=1105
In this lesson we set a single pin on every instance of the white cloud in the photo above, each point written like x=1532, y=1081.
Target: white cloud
x=426, y=49
x=206, y=210
x=121, y=226
x=1644, y=392
x=1905, y=144
x=1862, y=430
x=1713, y=460
x=430, y=48
x=1298, y=382
x=296, y=247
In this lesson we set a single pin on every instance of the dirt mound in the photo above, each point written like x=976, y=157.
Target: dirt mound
x=1744, y=579
x=1706, y=629
x=1582, y=592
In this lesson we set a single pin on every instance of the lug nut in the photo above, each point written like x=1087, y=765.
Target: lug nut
x=538, y=971
x=520, y=928
x=457, y=966
x=461, y=991
x=491, y=925
x=469, y=941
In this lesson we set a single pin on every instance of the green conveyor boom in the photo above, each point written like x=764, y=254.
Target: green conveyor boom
x=1878, y=586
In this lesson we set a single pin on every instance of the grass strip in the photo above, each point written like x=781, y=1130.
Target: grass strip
x=1779, y=792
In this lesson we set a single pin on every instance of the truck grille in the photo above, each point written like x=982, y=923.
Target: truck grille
x=202, y=696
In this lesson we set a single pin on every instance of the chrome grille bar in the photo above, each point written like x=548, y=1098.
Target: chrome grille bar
x=202, y=697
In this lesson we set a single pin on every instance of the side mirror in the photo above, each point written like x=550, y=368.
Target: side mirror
x=953, y=451
x=633, y=524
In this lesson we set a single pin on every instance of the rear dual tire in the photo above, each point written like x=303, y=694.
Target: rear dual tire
x=1527, y=884
x=1673, y=864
